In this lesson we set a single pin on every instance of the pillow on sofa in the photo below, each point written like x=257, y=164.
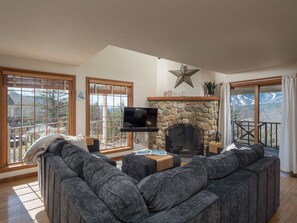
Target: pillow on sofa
x=259, y=149
x=74, y=157
x=115, y=189
x=248, y=155
x=78, y=141
x=220, y=165
x=229, y=147
x=164, y=190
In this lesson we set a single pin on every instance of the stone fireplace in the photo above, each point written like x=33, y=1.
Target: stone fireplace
x=201, y=112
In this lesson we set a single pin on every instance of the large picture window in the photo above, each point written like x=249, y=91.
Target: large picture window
x=36, y=104
x=105, y=102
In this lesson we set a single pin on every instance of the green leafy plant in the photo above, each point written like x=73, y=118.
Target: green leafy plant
x=211, y=86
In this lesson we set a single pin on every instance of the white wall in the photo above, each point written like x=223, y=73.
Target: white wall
x=166, y=80
x=111, y=63
x=264, y=73
x=118, y=64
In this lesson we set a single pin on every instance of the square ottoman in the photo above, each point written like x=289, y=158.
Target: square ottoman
x=139, y=167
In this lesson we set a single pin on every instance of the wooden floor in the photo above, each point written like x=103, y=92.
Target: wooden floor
x=287, y=212
x=20, y=202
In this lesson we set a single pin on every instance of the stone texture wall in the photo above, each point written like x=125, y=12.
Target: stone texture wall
x=203, y=114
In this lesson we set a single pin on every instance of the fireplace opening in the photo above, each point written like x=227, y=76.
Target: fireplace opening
x=185, y=140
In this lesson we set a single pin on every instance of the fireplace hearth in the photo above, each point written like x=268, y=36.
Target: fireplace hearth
x=185, y=140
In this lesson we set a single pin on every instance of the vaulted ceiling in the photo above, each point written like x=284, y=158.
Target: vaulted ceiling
x=225, y=36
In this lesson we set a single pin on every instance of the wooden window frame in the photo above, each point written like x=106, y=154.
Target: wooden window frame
x=257, y=83
x=130, y=103
x=4, y=167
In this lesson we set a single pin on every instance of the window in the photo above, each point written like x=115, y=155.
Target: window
x=105, y=102
x=35, y=104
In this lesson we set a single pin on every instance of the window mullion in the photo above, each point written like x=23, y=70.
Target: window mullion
x=46, y=111
x=21, y=129
x=57, y=112
x=35, y=121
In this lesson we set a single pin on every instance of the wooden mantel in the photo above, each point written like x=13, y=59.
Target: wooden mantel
x=184, y=98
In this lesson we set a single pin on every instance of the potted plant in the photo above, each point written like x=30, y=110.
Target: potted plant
x=210, y=86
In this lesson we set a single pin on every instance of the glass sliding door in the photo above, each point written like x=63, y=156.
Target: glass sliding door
x=270, y=102
x=243, y=114
x=256, y=112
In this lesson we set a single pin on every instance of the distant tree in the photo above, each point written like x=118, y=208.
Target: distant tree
x=54, y=103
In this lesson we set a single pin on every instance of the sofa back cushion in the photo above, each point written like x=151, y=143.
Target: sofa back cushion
x=78, y=141
x=74, y=157
x=164, y=190
x=220, y=165
x=57, y=146
x=115, y=189
x=248, y=155
x=259, y=149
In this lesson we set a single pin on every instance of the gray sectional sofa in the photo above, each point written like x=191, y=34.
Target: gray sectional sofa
x=238, y=186
x=246, y=182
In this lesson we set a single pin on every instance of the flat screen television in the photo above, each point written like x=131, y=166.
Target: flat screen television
x=138, y=119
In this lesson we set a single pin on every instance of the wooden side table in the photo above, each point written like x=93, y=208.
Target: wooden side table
x=214, y=147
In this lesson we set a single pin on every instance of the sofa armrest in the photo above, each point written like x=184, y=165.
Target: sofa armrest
x=80, y=204
x=202, y=207
x=93, y=144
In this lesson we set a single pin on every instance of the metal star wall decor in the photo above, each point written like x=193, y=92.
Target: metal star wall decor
x=184, y=75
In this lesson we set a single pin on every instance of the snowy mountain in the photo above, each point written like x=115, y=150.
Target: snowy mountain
x=242, y=107
x=248, y=99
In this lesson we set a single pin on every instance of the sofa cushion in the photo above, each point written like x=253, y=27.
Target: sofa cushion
x=164, y=190
x=57, y=146
x=259, y=149
x=201, y=207
x=105, y=158
x=74, y=157
x=248, y=155
x=220, y=165
x=115, y=189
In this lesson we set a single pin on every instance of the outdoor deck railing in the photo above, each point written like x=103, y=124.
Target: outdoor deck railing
x=20, y=138
x=243, y=132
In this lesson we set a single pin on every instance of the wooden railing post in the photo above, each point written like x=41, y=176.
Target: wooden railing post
x=256, y=114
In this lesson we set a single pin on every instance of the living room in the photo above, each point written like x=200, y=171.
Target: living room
x=141, y=43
